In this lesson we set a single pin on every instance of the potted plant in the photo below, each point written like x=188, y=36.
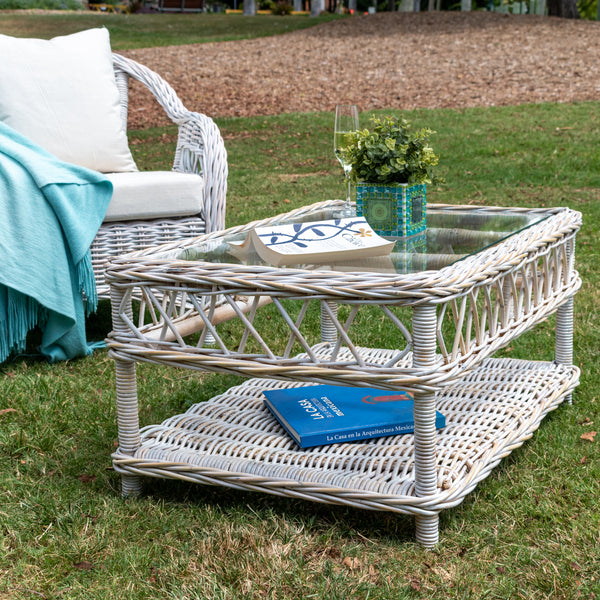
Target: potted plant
x=391, y=166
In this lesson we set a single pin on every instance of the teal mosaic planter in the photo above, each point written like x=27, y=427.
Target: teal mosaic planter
x=399, y=210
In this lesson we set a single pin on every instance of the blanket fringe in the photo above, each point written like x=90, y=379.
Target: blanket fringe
x=22, y=313
x=87, y=283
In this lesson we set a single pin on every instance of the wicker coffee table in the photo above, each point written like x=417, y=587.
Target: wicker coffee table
x=477, y=280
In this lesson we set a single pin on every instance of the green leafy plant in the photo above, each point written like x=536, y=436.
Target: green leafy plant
x=390, y=153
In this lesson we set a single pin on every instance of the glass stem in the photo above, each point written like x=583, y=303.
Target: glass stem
x=348, y=211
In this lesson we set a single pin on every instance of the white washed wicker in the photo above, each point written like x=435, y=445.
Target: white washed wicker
x=449, y=322
x=200, y=149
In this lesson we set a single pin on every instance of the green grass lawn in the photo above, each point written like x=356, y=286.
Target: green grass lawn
x=152, y=30
x=531, y=530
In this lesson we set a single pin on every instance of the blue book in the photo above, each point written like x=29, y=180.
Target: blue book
x=329, y=414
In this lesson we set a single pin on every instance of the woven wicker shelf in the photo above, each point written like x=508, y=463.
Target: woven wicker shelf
x=233, y=440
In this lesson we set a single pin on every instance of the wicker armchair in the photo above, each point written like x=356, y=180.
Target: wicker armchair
x=200, y=149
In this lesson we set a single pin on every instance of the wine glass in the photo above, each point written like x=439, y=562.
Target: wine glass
x=346, y=121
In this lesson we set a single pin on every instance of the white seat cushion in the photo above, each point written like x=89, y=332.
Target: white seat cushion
x=154, y=195
x=62, y=94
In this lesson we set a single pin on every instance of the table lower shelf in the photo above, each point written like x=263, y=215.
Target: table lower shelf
x=233, y=440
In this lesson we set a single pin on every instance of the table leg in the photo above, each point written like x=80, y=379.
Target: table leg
x=508, y=300
x=328, y=330
x=128, y=422
x=424, y=356
x=563, y=350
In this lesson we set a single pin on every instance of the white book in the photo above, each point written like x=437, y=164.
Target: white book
x=313, y=242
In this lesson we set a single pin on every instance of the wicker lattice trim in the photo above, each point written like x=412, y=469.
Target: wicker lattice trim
x=156, y=264
x=496, y=303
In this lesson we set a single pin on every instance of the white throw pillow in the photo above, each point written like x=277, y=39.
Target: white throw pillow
x=62, y=94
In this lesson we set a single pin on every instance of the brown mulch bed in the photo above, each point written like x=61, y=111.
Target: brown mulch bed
x=388, y=60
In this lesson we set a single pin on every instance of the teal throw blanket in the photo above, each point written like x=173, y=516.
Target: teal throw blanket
x=50, y=212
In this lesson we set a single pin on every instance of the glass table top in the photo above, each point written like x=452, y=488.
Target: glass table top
x=451, y=235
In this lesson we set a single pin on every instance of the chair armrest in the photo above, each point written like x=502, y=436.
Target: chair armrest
x=200, y=147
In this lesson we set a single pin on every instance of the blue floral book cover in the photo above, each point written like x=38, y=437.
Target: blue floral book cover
x=329, y=414
x=313, y=242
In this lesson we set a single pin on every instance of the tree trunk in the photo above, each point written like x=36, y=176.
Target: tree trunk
x=567, y=9
x=465, y=5
x=249, y=8
x=317, y=7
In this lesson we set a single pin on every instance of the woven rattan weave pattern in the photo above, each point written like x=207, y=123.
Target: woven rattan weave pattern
x=200, y=149
x=447, y=324
x=234, y=440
